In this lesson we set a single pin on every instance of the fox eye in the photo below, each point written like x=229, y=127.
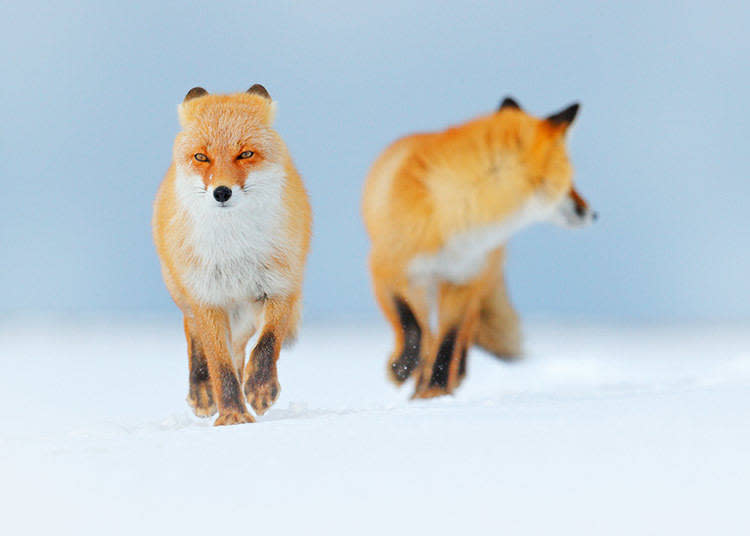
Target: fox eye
x=200, y=157
x=246, y=154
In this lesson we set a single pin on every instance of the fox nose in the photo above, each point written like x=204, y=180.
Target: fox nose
x=222, y=194
x=582, y=211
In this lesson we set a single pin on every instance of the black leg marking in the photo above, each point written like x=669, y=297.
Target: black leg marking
x=462, y=364
x=263, y=359
x=409, y=358
x=200, y=395
x=262, y=387
x=443, y=360
x=230, y=389
x=198, y=365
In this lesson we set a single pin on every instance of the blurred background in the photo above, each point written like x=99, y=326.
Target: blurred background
x=90, y=89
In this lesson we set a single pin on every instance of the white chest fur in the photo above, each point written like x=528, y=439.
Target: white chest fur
x=465, y=254
x=232, y=246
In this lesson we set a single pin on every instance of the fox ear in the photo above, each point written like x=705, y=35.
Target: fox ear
x=195, y=93
x=184, y=110
x=564, y=117
x=509, y=102
x=257, y=89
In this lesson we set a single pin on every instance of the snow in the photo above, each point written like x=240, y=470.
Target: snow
x=601, y=429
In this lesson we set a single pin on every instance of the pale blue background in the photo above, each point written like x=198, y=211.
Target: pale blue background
x=89, y=94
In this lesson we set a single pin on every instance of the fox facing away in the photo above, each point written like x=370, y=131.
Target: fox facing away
x=232, y=229
x=439, y=208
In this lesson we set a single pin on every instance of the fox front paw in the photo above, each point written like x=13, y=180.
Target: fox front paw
x=401, y=367
x=431, y=391
x=430, y=385
x=262, y=396
x=233, y=418
x=201, y=400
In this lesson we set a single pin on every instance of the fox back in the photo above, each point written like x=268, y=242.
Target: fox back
x=469, y=188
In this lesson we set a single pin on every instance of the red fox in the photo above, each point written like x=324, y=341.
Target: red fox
x=439, y=208
x=232, y=230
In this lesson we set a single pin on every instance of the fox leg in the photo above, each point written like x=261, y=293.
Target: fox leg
x=239, y=344
x=407, y=313
x=458, y=317
x=261, y=384
x=499, y=327
x=213, y=325
x=293, y=323
x=411, y=338
x=242, y=322
x=200, y=396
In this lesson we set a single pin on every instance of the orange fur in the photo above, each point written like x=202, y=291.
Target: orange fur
x=427, y=191
x=203, y=248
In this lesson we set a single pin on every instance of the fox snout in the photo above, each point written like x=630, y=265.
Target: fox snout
x=222, y=194
x=573, y=211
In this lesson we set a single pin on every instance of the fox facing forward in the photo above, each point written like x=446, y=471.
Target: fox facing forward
x=232, y=230
x=439, y=208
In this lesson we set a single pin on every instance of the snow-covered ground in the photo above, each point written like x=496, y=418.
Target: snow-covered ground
x=601, y=429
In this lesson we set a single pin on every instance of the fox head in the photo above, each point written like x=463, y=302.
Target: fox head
x=227, y=150
x=540, y=147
